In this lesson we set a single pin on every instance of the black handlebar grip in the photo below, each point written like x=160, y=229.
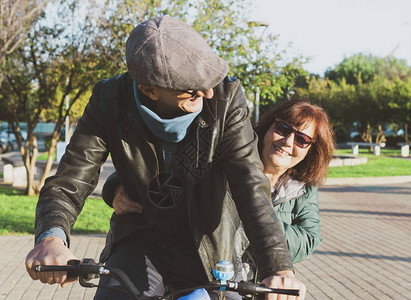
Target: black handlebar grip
x=41, y=268
x=244, y=288
x=74, y=268
x=73, y=272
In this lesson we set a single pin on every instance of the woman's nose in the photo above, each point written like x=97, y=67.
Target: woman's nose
x=289, y=139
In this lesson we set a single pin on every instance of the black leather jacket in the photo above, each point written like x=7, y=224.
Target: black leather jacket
x=219, y=149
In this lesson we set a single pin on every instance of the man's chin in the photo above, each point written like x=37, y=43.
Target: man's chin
x=194, y=108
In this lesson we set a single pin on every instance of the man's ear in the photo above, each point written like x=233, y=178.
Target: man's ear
x=149, y=91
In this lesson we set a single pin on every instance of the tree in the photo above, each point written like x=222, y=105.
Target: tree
x=370, y=91
x=67, y=52
x=336, y=98
x=400, y=105
x=366, y=67
x=370, y=107
x=56, y=61
x=16, y=18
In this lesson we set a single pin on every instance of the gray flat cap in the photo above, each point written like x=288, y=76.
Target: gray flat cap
x=167, y=52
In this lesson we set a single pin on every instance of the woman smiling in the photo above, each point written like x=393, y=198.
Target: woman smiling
x=296, y=143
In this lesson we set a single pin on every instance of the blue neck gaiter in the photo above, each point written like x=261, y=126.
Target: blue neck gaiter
x=169, y=130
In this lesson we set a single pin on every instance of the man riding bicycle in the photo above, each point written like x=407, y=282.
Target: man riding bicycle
x=178, y=131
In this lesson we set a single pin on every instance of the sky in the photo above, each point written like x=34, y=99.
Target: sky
x=328, y=31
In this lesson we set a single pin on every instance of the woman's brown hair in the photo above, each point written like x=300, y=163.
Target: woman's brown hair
x=313, y=168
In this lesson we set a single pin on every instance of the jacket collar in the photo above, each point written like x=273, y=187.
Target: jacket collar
x=203, y=120
x=288, y=190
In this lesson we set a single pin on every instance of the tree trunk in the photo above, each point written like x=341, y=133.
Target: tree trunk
x=366, y=135
x=380, y=135
x=49, y=162
x=29, y=154
x=30, y=182
x=406, y=132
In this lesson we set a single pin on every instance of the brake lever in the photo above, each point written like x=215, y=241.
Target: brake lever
x=84, y=263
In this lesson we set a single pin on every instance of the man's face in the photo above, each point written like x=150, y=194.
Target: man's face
x=170, y=103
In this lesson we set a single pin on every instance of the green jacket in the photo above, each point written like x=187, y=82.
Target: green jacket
x=296, y=205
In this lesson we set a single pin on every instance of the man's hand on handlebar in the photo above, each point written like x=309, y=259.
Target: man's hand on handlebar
x=122, y=203
x=88, y=269
x=50, y=251
x=284, y=280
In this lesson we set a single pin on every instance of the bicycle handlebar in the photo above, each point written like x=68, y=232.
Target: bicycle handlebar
x=75, y=268
x=88, y=269
x=245, y=287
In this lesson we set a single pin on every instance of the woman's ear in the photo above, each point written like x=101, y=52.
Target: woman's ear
x=149, y=91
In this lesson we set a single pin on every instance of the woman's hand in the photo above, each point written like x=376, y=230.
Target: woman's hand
x=122, y=203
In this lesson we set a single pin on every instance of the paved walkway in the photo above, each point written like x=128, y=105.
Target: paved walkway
x=365, y=254
x=366, y=249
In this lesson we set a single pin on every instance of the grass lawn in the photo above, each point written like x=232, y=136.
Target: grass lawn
x=389, y=163
x=365, y=151
x=18, y=211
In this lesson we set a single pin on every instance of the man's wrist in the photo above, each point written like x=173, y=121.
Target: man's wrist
x=52, y=232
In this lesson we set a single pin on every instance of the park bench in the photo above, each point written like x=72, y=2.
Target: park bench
x=355, y=146
x=14, y=171
x=405, y=149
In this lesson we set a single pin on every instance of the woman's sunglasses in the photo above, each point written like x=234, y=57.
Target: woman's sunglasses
x=300, y=139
